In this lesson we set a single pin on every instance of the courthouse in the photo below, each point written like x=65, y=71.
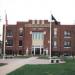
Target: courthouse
x=33, y=38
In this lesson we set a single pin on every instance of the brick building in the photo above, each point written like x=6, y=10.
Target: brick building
x=33, y=37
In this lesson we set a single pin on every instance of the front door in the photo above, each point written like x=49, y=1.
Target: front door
x=37, y=50
x=37, y=42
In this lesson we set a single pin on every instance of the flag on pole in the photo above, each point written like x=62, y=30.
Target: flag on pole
x=53, y=18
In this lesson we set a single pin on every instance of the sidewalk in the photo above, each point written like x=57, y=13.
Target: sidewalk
x=14, y=64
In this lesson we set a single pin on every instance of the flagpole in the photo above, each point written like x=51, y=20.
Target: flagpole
x=50, y=37
x=4, y=43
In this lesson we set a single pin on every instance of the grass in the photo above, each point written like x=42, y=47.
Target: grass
x=47, y=69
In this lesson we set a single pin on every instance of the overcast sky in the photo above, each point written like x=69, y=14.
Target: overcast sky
x=23, y=10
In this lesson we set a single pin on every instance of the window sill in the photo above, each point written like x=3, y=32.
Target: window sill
x=20, y=46
x=9, y=36
x=54, y=47
x=67, y=47
x=9, y=46
x=20, y=36
x=67, y=37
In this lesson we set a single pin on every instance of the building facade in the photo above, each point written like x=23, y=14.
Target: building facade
x=33, y=37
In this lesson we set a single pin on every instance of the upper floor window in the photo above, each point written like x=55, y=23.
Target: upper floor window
x=20, y=42
x=33, y=21
x=37, y=36
x=38, y=22
x=67, y=33
x=67, y=44
x=55, y=32
x=9, y=33
x=55, y=44
x=20, y=31
x=42, y=21
x=9, y=42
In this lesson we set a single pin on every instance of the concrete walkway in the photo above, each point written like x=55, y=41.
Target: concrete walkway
x=13, y=64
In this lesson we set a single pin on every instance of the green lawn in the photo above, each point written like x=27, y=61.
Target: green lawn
x=50, y=69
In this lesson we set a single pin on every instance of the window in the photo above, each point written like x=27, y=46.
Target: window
x=67, y=33
x=67, y=44
x=9, y=43
x=20, y=42
x=55, y=32
x=20, y=31
x=42, y=21
x=37, y=36
x=33, y=21
x=9, y=33
x=55, y=44
x=38, y=22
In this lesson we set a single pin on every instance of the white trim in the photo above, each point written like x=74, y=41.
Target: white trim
x=30, y=32
x=33, y=21
x=20, y=46
x=9, y=46
x=67, y=47
x=42, y=21
x=34, y=50
x=9, y=36
x=38, y=22
x=40, y=47
x=40, y=50
x=44, y=32
x=67, y=37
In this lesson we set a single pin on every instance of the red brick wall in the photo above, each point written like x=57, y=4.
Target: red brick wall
x=27, y=37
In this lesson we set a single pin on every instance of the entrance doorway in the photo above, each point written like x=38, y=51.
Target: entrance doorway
x=37, y=43
x=37, y=50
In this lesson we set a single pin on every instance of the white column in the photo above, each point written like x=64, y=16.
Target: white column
x=34, y=50
x=27, y=51
x=40, y=50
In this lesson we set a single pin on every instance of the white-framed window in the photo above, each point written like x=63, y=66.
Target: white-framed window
x=42, y=21
x=20, y=42
x=9, y=33
x=55, y=44
x=9, y=42
x=37, y=36
x=67, y=44
x=38, y=22
x=55, y=32
x=20, y=31
x=67, y=33
x=33, y=21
